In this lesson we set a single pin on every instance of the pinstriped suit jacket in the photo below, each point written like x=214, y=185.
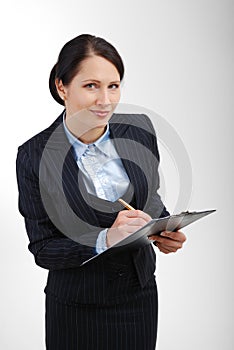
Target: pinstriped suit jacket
x=63, y=221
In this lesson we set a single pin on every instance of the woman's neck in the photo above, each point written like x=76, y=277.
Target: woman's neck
x=92, y=135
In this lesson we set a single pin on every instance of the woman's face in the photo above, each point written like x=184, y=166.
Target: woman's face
x=92, y=95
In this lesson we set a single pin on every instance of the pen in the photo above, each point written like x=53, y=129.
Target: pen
x=125, y=204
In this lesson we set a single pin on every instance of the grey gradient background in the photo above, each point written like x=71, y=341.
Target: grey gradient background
x=179, y=63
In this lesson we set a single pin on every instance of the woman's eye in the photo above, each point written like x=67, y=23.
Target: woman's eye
x=114, y=86
x=95, y=86
x=90, y=85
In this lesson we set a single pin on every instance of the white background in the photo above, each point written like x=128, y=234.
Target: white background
x=179, y=63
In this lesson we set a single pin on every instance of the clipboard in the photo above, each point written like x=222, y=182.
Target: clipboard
x=154, y=227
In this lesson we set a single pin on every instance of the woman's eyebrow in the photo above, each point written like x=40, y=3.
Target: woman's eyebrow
x=98, y=81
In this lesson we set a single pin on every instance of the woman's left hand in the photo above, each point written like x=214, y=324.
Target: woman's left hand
x=168, y=241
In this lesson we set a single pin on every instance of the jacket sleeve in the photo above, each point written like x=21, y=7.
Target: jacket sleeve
x=51, y=248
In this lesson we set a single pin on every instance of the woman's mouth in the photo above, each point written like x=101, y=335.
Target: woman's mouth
x=100, y=113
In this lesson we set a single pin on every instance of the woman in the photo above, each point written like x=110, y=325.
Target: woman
x=70, y=177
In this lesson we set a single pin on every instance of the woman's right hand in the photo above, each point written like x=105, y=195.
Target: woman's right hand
x=126, y=223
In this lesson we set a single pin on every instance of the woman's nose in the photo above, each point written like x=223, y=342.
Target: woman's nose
x=103, y=97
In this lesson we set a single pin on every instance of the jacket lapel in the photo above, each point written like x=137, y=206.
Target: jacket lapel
x=127, y=141
x=58, y=154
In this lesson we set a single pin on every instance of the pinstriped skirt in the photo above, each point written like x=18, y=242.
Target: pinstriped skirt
x=126, y=326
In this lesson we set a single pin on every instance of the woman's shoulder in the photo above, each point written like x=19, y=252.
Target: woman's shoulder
x=135, y=120
x=39, y=140
x=130, y=117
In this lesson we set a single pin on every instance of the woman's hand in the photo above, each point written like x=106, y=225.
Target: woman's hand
x=169, y=242
x=126, y=223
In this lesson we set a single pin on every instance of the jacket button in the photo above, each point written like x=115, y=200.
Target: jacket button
x=121, y=273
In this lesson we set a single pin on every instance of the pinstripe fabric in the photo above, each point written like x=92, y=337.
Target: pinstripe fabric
x=126, y=326
x=107, y=286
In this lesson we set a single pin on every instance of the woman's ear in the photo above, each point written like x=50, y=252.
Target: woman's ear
x=61, y=89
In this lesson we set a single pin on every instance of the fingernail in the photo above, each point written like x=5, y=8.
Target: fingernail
x=163, y=234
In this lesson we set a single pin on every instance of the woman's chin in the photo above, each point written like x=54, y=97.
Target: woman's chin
x=84, y=121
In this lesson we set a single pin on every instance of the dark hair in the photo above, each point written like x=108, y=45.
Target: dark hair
x=72, y=55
